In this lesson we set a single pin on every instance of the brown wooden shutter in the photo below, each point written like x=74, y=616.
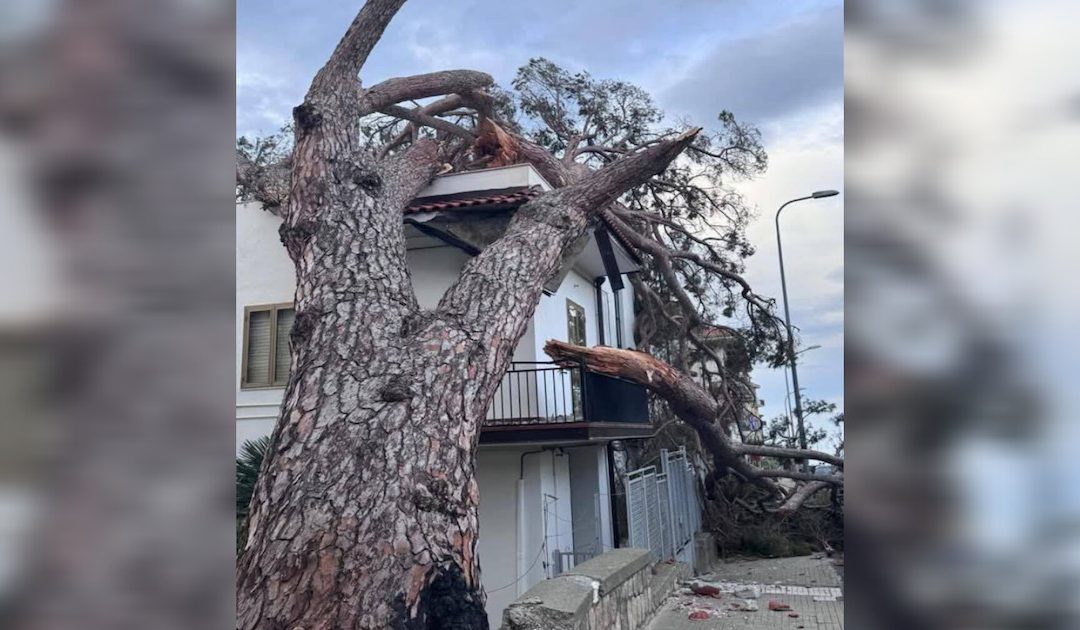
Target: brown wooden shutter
x=285, y=317
x=258, y=348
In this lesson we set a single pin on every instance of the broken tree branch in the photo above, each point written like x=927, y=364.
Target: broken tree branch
x=417, y=116
x=797, y=498
x=396, y=90
x=692, y=404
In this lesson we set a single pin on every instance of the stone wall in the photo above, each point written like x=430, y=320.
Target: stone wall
x=619, y=590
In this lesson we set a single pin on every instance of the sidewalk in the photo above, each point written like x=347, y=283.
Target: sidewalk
x=809, y=585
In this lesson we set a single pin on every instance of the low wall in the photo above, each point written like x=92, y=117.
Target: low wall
x=618, y=590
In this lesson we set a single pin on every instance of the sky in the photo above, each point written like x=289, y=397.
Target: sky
x=777, y=65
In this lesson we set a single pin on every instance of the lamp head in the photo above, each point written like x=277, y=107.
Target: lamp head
x=824, y=193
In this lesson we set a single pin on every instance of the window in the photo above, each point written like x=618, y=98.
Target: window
x=266, y=355
x=575, y=323
x=575, y=334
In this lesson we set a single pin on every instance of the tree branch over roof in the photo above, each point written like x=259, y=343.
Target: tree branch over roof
x=420, y=86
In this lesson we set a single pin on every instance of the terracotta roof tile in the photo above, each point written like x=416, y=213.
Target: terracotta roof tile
x=507, y=198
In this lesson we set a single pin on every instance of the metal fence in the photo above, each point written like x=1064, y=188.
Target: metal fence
x=663, y=508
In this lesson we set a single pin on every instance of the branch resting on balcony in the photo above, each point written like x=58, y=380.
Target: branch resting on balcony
x=695, y=406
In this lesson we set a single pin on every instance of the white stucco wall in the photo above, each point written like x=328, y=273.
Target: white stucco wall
x=434, y=270
x=550, y=319
x=590, y=499
x=264, y=275
x=497, y=472
x=546, y=521
x=560, y=519
x=485, y=179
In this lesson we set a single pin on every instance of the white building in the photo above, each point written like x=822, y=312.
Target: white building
x=543, y=467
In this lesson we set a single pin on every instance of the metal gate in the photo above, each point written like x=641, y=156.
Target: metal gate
x=663, y=510
x=637, y=512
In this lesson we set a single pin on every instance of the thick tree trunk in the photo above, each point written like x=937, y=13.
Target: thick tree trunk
x=365, y=515
x=365, y=512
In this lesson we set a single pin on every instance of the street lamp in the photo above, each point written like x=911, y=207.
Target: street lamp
x=787, y=313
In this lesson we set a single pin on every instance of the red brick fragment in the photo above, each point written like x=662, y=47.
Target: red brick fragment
x=698, y=615
x=777, y=606
x=706, y=590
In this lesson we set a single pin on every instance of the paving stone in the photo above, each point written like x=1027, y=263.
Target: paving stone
x=811, y=586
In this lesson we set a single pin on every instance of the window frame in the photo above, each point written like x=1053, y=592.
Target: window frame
x=274, y=382
x=571, y=306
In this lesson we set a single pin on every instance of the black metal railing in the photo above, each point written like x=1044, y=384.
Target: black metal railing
x=545, y=393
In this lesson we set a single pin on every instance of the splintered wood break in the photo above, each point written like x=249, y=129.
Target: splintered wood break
x=495, y=146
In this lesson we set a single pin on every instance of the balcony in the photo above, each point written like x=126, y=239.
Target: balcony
x=543, y=402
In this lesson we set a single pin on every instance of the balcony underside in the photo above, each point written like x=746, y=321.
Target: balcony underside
x=545, y=403
x=574, y=432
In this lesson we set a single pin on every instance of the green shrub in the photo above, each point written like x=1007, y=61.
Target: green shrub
x=247, y=473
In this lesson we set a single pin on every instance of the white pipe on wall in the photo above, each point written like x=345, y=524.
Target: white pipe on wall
x=520, y=535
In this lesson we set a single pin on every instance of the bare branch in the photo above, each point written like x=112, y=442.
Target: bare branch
x=418, y=117
x=797, y=498
x=662, y=254
x=264, y=179
x=357, y=43
x=780, y=473
x=789, y=453
x=601, y=187
x=417, y=86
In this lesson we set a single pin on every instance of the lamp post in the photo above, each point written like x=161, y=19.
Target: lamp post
x=787, y=314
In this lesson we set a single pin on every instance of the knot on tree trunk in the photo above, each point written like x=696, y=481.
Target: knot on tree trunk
x=303, y=325
x=307, y=116
x=433, y=494
x=294, y=237
x=396, y=389
x=367, y=178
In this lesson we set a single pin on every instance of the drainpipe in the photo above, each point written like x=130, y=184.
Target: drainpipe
x=600, y=307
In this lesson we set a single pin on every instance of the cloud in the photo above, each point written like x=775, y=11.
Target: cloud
x=766, y=76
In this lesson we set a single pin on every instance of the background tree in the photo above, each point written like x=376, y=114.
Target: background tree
x=365, y=511
x=781, y=431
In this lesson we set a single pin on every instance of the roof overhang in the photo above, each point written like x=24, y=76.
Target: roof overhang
x=470, y=210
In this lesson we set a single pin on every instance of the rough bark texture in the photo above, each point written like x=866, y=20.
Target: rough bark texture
x=365, y=514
